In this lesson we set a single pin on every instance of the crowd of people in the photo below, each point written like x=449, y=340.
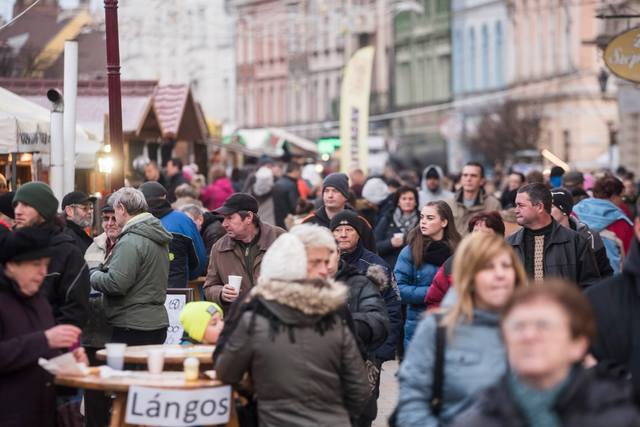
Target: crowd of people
x=508, y=301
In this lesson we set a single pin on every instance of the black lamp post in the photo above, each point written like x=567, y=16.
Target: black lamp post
x=603, y=78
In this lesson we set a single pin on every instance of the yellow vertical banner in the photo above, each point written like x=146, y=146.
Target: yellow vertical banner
x=354, y=110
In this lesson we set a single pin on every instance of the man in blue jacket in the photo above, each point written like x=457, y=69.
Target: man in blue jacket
x=187, y=253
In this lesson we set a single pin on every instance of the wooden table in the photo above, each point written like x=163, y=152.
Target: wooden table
x=120, y=387
x=195, y=285
x=174, y=354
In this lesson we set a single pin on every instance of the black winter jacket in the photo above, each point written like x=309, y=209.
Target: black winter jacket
x=367, y=307
x=616, y=303
x=384, y=231
x=67, y=283
x=566, y=254
x=81, y=239
x=27, y=395
x=592, y=399
x=285, y=198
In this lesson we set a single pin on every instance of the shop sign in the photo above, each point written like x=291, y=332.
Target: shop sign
x=33, y=142
x=162, y=407
x=622, y=55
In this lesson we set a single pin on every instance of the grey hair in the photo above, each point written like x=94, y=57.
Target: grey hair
x=314, y=236
x=192, y=209
x=131, y=199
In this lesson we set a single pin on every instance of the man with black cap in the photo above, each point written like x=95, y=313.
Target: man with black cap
x=186, y=249
x=347, y=227
x=28, y=331
x=562, y=205
x=67, y=283
x=78, y=211
x=335, y=195
x=240, y=251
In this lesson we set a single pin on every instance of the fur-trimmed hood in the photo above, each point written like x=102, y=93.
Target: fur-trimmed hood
x=375, y=273
x=307, y=298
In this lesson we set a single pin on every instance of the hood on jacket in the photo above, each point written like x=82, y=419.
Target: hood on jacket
x=146, y=225
x=375, y=273
x=423, y=179
x=210, y=218
x=598, y=214
x=306, y=298
x=264, y=181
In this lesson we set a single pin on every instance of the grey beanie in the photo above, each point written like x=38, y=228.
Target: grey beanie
x=339, y=181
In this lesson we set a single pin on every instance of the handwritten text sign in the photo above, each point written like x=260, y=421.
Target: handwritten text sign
x=174, y=305
x=162, y=407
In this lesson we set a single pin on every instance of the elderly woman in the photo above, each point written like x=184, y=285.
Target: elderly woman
x=28, y=331
x=547, y=330
x=292, y=339
x=485, y=273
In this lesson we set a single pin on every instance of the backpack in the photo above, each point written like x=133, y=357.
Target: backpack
x=615, y=249
x=438, y=373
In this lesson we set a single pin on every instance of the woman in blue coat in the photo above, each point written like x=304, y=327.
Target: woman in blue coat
x=430, y=244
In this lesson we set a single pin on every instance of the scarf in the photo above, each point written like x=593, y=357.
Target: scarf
x=537, y=405
x=436, y=253
x=405, y=222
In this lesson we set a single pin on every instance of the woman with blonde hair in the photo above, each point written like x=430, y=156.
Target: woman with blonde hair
x=485, y=274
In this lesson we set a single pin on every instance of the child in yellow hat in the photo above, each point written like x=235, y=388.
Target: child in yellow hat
x=202, y=320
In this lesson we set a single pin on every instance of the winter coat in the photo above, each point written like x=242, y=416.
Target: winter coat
x=186, y=249
x=302, y=357
x=67, y=283
x=591, y=399
x=226, y=258
x=260, y=186
x=615, y=303
x=97, y=331
x=320, y=217
x=174, y=182
x=96, y=254
x=474, y=359
x=366, y=305
x=363, y=259
x=599, y=215
x=27, y=395
x=413, y=282
x=285, y=198
x=214, y=194
x=462, y=214
x=440, y=284
x=80, y=237
x=384, y=231
x=426, y=195
x=211, y=231
x=566, y=254
x=134, y=277
x=597, y=246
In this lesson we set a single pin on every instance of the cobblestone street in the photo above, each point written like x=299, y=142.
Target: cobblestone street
x=388, y=393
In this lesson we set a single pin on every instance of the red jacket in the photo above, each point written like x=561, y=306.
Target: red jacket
x=440, y=284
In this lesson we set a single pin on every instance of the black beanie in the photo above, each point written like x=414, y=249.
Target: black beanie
x=562, y=199
x=556, y=171
x=432, y=173
x=27, y=243
x=339, y=181
x=39, y=196
x=6, y=206
x=347, y=217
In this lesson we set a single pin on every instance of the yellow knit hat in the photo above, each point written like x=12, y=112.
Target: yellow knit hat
x=195, y=317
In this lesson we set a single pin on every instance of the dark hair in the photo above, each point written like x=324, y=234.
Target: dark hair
x=293, y=167
x=607, y=186
x=406, y=189
x=476, y=164
x=394, y=183
x=451, y=237
x=176, y=162
x=535, y=176
x=521, y=175
x=538, y=193
x=567, y=295
x=492, y=220
x=244, y=214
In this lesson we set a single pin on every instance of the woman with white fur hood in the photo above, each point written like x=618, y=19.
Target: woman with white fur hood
x=292, y=335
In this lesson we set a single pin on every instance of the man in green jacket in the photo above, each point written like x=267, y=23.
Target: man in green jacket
x=134, y=277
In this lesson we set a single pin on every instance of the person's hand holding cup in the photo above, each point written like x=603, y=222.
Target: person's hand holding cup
x=231, y=290
x=397, y=240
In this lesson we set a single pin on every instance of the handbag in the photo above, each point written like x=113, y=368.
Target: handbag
x=438, y=374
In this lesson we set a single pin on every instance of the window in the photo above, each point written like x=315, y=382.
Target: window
x=499, y=56
x=485, y=57
x=471, y=66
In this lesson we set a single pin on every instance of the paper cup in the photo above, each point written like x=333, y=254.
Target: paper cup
x=115, y=355
x=155, y=360
x=235, y=282
x=398, y=235
x=191, y=368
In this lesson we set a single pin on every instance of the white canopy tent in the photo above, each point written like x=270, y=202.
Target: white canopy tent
x=24, y=128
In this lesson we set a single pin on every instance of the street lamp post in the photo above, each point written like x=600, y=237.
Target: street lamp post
x=115, y=97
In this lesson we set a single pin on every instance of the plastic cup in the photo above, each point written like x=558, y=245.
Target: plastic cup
x=115, y=355
x=191, y=368
x=235, y=282
x=398, y=236
x=155, y=360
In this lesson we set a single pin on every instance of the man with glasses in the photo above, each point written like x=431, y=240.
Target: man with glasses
x=78, y=212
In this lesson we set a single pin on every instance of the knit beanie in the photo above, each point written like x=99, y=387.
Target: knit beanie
x=195, y=317
x=375, y=190
x=39, y=196
x=562, y=199
x=286, y=260
x=339, y=181
x=347, y=217
x=25, y=244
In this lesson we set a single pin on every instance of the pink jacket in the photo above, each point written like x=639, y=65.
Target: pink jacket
x=214, y=194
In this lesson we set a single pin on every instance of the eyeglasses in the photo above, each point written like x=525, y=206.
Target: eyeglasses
x=86, y=208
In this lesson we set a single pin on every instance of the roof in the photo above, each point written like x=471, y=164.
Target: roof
x=178, y=115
